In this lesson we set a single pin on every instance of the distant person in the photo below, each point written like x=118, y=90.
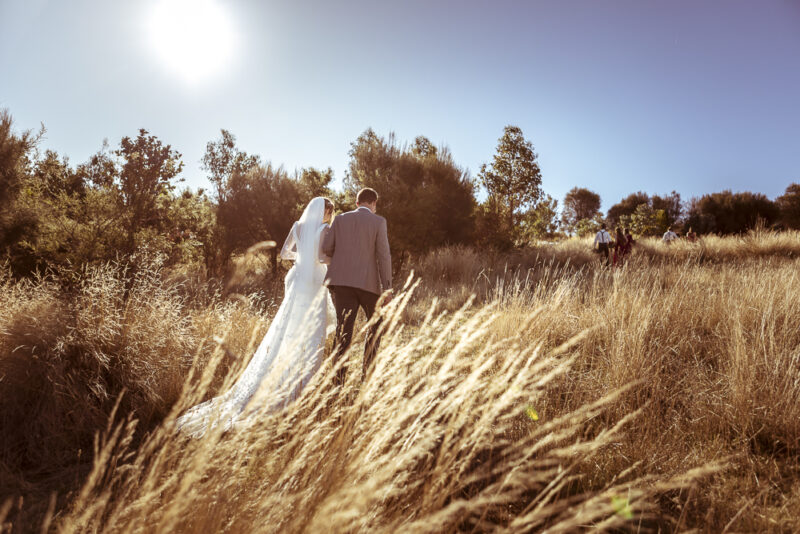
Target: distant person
x=691, y=236
x=629, y=241
x=620, y=242
x=669, y=236
x=602, y=241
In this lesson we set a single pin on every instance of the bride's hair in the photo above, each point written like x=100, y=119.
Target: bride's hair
x=328, y=205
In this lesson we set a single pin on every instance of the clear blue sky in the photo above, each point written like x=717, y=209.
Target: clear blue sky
x=616, y=96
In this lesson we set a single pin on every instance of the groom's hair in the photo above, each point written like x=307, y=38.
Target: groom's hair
x=367, y=196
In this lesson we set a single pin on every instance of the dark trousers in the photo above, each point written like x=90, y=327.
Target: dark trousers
x=347, y=300
x=603, y=248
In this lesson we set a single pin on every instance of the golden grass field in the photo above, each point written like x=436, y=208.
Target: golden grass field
x=529, y=391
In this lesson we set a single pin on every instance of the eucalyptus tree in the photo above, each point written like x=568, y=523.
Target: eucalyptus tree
x=513, y=180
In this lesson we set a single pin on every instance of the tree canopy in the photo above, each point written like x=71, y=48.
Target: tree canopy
x=789, y=206
x=18, y=221
x=147, y=171
x=513, y=180
x=125, y=198
x=647, y=215
x=222, y=159
x=428, y=201
x=729, y=213
x=626, y=206
x=579, y=203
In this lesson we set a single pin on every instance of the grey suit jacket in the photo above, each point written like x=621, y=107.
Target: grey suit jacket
x=358, y=246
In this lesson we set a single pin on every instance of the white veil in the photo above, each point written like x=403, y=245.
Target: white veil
x=307, y=232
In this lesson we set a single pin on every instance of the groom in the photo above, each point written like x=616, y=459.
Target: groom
x=360, y=270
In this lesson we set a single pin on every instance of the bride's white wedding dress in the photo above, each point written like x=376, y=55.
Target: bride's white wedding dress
x=292, y=349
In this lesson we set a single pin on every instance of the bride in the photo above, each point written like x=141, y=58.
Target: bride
x=292, y=349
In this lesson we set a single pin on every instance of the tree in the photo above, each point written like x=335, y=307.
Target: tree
x=579, y=203
x=222, y=159
x=13, y=151
x=646, y=221
x=728, y=213
x=194, y=212
x=101, y=169
x=671, y=205
x=315, y=183
x=372, y=159
x=260, y=204
x=81, y=220
x=489, y=224
x=147, y=172
x=423, y=148
x=541, y=222
x=428, y=201
x=96, y=233
x=56, y=178
x=57, y=193
x=589, y=227
x=514, y=179
x=19, y=221
x=789, y=206
x=626, y=206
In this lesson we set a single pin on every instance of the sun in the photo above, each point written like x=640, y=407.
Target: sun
x=195, y=39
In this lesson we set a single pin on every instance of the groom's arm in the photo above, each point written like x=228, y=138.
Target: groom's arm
x=384, y=257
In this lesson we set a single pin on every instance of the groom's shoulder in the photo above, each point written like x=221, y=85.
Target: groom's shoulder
x=346, y=215
x=360, y=216
x=373, y=217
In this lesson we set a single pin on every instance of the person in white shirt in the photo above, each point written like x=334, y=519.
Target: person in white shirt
x=602, y=240
x=669, y=236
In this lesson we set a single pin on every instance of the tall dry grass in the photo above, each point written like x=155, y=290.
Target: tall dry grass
x=68, y=353
x=561, y=396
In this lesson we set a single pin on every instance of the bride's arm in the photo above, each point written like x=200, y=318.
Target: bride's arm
x=289, y=250
x=323, y=258
x=328, y=242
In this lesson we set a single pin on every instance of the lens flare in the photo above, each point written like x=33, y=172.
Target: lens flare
x=195, y=39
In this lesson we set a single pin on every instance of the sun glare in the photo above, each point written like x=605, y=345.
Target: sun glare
x=193, y=38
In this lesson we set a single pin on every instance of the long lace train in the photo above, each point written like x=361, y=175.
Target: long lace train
x=292, y=349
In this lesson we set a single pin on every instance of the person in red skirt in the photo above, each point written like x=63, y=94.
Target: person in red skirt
x=620, y=243
x=629, y=242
